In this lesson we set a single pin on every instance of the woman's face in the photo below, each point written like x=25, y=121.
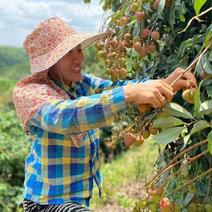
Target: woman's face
x=70, y=66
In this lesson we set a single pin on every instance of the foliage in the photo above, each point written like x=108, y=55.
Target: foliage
x=153, y=37
x=6, y=86
x=11, y=56
x=15, y=72
x=91, y=64
x=13, y=150
x=13, y=63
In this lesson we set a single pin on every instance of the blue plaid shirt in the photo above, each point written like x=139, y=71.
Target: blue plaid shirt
x=63, y=162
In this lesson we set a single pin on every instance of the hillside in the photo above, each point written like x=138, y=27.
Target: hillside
x=13, y=63
x=10, y=56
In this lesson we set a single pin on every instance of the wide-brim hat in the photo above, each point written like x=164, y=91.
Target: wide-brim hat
x=51, y=40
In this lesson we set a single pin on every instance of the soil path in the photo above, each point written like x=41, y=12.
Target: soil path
x=134, y=190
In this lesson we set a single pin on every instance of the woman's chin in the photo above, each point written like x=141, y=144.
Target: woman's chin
x=76, y=78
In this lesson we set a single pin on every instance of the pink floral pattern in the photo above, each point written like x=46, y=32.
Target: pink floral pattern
x=33, y=92
x=51, y=40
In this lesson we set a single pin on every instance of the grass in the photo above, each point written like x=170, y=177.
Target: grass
x=16, y=71
x=6, y=86
x=134, y=165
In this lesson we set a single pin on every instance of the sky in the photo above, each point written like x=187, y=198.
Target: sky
x=19, y=17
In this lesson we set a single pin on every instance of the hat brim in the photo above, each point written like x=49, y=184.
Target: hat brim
x=45, y=61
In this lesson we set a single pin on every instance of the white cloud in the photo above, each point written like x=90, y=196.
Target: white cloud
x=19, y=17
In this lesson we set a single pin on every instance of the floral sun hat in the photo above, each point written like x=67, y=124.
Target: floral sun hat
x=51, y=40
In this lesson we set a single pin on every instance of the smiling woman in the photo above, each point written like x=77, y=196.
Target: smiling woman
x=68, y=68
x=61, y=108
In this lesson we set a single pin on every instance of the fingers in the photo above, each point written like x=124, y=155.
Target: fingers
x=166, y=90
x=155, y=102
x=187, y=76
x=160, y=94
x=149, y=94
x=179, y=85
x=167, y=85
x=162, y=100
x=182, y=84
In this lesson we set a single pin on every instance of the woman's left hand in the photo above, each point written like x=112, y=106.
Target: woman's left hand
x=188, y=79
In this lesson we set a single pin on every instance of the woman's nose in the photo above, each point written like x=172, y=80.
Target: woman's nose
x=81, y=55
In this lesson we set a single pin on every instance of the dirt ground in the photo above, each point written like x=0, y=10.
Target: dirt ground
x=133, y=190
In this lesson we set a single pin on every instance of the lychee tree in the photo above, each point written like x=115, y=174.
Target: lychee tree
x=151, y=38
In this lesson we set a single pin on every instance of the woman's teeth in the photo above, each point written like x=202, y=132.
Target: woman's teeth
x=77, y=69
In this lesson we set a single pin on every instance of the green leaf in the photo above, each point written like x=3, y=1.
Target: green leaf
x=169, y=135
x=177, y=110
x=200, y=125
x=209, y=90
x=206, y=60
x=205, y=63
x=182, y=18
x=198, y=5
x=136, y=30
x=161, y=6
x=182, y=12
x=210, y=142
x=188, y=198
x=205, y=107
x=184, y=136
x=129, y=64
x=198, y=68
x=131, y=23
x=207, y=39
x=167, y=122
x=186, y=139
x=197, y=100
x=184, y=46
x=172, y=15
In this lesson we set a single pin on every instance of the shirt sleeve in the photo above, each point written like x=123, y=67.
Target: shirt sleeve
x=99, y=84
x=82, y=114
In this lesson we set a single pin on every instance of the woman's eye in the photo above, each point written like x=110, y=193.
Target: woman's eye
x=75, y=50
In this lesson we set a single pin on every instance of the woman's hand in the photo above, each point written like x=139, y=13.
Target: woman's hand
x=158, y=92
x=155, y=93
x=188, y=80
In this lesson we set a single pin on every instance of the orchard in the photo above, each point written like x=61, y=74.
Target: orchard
x=150, y=38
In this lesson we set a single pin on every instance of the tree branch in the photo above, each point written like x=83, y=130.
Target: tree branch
x=196, y=18
x=190, y=181
x=170, y=164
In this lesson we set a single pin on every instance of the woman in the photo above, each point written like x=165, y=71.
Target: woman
x=61, y=110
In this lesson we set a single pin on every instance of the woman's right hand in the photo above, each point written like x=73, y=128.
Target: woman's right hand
x=156, y=93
